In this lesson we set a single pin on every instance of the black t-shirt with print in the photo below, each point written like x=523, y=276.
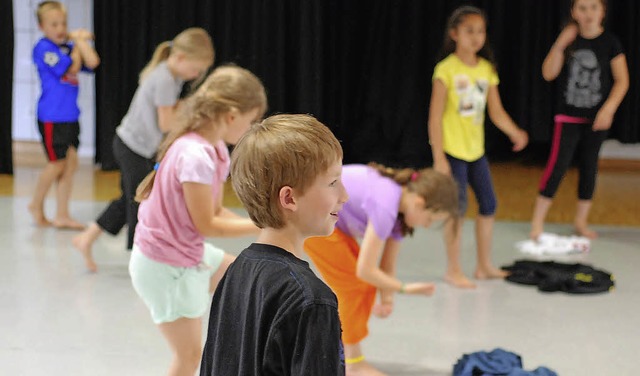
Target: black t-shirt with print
x=586, y=78
x=271, y=315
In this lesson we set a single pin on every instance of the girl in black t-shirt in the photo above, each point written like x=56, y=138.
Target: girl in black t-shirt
x=593, y=76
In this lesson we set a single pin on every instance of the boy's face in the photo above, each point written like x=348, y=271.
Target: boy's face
x=54, y=25
x=319, y=206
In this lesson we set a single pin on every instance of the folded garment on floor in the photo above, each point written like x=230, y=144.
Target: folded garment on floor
x=497, y=362
x=552, y=276
x=552, y=244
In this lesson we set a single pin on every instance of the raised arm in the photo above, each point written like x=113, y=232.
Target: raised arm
x=209, y=218
x=81, y=37
x=552, y=64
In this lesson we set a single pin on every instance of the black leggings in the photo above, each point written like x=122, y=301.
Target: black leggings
x=124, y=210
x=569, y=137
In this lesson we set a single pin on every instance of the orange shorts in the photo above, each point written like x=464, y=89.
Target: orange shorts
x=335, y=256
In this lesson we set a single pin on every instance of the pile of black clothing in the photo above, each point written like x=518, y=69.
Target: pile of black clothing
x=552, y=276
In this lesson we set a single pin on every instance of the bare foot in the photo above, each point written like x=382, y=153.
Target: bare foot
x=490, y=273
x=362, y=369
x=459, y=280
x=535, y=233
x=67, y=224
x=38, y=216
x=83, y=244
x=584, y=230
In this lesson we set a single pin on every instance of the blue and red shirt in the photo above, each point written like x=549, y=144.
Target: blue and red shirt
x=58, y=100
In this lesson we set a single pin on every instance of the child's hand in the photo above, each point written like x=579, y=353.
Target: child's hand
x=81, y=34
x=442, y=165
x=567, y=35
x=603, y=119
x=382, y=309
x=520, y=140
x=420, y=288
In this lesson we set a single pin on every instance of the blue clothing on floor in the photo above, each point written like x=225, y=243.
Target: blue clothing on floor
x=495, y=363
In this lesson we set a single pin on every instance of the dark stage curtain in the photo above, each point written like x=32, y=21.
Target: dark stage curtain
x=6, y=86
x=362, y=67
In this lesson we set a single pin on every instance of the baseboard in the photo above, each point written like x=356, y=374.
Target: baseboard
x=628, y=165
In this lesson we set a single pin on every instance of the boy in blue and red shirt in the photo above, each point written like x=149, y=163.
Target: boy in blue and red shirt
x=59, y=56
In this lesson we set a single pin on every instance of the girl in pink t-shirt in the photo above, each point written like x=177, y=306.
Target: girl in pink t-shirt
x=172, y=269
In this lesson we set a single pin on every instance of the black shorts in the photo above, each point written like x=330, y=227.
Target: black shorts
x=58, y=137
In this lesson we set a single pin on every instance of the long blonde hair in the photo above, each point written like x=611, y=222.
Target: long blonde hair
x=226, y=89
x=438, y=190
x=195, y=43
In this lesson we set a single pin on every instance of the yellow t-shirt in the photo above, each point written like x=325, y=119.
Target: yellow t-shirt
x=463, y=117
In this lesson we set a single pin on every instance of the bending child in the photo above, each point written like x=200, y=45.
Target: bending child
x=594, y=79
x=464, y=83
x=271, y=315
x=172, y=269
x=151, y=115
x=59, y=56
x=384, y=206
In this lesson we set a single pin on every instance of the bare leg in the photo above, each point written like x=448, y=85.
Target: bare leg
x=217, y=276
x=453, y=241
x=484, y=237
x=582, y=216
x=184, y=337
x=83, y=243
x=539, y=214
x=65, y=184
x=51, y=173
x=356, y=364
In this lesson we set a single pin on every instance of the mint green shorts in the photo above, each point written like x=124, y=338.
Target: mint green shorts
x=172, y=292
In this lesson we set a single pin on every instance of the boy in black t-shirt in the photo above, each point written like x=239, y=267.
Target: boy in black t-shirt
x=271, y=315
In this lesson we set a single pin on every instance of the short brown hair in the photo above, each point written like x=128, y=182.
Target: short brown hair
x=283, y=150
x=46, y=6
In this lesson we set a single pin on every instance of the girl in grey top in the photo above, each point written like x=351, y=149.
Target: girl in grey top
x=150, y=115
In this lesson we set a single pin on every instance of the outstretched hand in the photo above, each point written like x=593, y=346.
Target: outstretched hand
x=420, y=288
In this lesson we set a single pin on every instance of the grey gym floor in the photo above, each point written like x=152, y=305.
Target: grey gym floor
x=57, y=319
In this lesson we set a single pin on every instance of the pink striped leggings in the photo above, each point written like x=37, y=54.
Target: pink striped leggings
x=571, y=136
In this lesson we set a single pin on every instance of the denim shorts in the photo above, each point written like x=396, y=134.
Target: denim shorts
x=172, y=292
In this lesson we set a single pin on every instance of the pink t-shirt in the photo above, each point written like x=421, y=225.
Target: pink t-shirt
x=165, y=232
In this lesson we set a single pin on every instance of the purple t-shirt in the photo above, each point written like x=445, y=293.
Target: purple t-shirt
x=165, y=231
x=372, y=198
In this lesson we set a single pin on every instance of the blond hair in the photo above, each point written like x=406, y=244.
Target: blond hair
x=282, y=150
x=195, y=43
x=46, y=6
x=228, y=88
x=439, y=191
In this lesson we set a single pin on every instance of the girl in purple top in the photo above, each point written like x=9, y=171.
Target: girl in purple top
x=384, y=205
x=172, y=269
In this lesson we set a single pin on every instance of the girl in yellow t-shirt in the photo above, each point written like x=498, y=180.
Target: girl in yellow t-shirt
x=464, y=83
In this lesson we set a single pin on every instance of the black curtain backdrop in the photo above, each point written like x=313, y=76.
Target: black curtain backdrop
x=6, y=86
x=362, y=67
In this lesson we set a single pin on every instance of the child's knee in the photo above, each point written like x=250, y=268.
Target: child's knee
x=488, y=208
x=190, y=355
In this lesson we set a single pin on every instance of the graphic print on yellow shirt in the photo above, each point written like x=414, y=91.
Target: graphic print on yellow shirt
x=463, y=117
